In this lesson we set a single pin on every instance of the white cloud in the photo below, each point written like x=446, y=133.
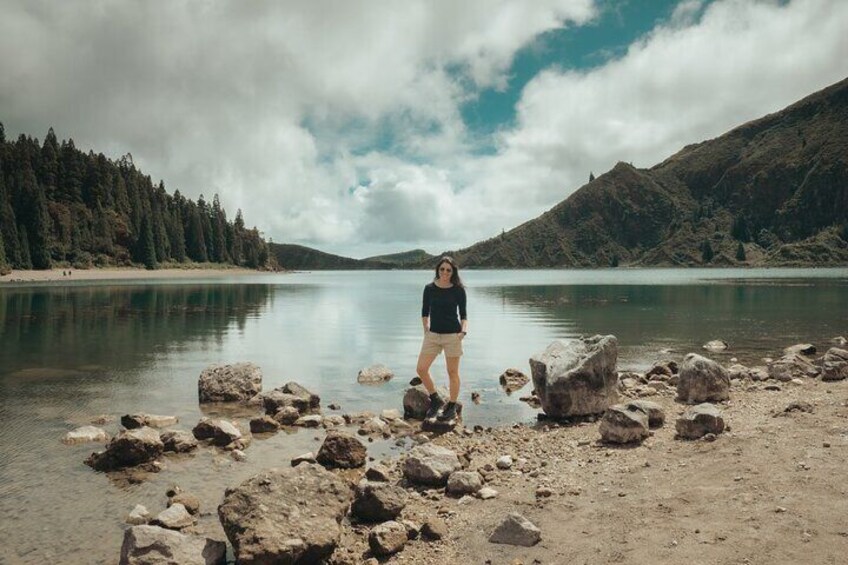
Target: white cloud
x=338, y=124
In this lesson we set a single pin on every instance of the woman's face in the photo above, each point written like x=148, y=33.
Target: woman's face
x=445, y=272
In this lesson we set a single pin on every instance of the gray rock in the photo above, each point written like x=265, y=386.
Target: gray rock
x=516, y=530
x=287, y=415
x=341, y=450
x=701, y=380
x=85, y=434
x=276, y=400
x=434, y=529
x=416, y=401
x=378, y=502
x=390, y=414
x=512, y=380
x=624, y=423
x=128, y=449
x=835, y=365
x=655, y=412
x=175, y=517
x=464, y=482
x=375, y=374
x=264, y=424
x=289, y=515
x=310, y=421
x=387, y=538
x=219, y=432
x=430, y=465
x=133, y=421
x=504, y=462
x=806, y=349
x=716, y=345
x=662, y=370
x=138, y=516
x=152, y=545
x=308, y=457
x=188, y=500
x=486, y=493
x=333, y=420
x=374, y=426
x=178, y=441
x=792, y=366
x=577, y=377
x=699, y=421
x=300, y=391
x=229, y=383
x=379, y=473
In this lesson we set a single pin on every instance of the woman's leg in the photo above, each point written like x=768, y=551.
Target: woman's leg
x=453, y=375
x=425, y=360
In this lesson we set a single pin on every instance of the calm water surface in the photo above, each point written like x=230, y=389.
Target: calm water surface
x=69, y=353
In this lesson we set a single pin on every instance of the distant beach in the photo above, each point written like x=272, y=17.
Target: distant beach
x=69, y=275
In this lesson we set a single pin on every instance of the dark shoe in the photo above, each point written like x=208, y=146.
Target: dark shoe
x=436, y=404
x=448, y=414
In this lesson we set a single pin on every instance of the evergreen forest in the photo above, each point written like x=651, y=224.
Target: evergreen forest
x=62, y=207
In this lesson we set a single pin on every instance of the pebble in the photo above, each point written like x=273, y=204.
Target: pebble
x=504, y=462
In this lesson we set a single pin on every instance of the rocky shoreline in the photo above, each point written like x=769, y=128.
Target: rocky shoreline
x=603, y=457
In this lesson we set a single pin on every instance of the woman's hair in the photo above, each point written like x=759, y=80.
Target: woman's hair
x=455, y=280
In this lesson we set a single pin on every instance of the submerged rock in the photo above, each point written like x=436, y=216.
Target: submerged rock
x=133, y=421
x=85, y=434
x=512, y=380
x=375, y=374
x=129, y=448
x=178, y=441
x=219, y=432
x=229, y=383
x=716, y=345
x=577, y=377
x=289, y=515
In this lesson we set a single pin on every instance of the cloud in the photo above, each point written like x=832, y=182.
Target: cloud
x=338, y=124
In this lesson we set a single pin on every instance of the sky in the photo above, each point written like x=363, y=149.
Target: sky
x=370, y=127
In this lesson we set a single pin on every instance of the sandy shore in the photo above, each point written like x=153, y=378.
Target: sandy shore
x=71, y=275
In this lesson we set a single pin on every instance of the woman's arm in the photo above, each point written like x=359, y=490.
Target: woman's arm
x=463, y=315
x=425, y=309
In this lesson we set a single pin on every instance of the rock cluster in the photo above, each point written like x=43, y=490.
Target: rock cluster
x=229, y=383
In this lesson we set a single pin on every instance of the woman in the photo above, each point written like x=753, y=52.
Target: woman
x=443, y=331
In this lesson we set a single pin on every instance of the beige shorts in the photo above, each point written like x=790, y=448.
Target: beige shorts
x=434, y=344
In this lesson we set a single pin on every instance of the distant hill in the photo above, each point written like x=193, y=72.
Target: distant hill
x=414, y=257
x=772, y=192
x=300, y=258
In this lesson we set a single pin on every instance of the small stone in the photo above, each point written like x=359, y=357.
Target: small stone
x=486, y=493
x=504, y=462
x=543, y=492
x=311, y=421
x=434, y=529
x=175, y=517
x=138, y=515
x=238, y=455
x=85, y=434
x=387, y=538
x=307, y=457
x=191, y=502
x=516, y=530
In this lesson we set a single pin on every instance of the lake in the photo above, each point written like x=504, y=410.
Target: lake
x=71, y=352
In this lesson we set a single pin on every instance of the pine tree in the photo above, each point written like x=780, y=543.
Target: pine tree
x=707, y=253
x=591, y=176
x=740, y=252
x=146, y=247
x=195, y=243
x=35, y=219
x=26, y=262
x=4, y=264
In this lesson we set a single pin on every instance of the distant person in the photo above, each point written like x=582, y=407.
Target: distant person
x=445, y=326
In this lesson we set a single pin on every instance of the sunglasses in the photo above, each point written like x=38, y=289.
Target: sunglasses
x=445, y=270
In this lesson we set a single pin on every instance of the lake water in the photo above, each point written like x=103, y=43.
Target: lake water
x=69, y=353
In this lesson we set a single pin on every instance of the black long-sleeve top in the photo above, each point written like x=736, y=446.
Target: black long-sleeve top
x=441, y=305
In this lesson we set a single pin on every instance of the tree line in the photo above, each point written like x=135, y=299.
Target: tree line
x=61, y=207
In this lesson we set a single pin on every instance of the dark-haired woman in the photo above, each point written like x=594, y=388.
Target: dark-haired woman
x=445, y=325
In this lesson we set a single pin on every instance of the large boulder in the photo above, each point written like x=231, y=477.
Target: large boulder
x=341, y=450
x=128, y=449
x=289, y=515
x=377, y=501
x=219, y=432
x=576, y=377
x=178, y=441
x=624, y=423
x=792, y=366
x=702, y=380
x=374, y=375
x=699, y=421
x=152, y=545
x=229, y=383
x=430, y=465
x=835, y=365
